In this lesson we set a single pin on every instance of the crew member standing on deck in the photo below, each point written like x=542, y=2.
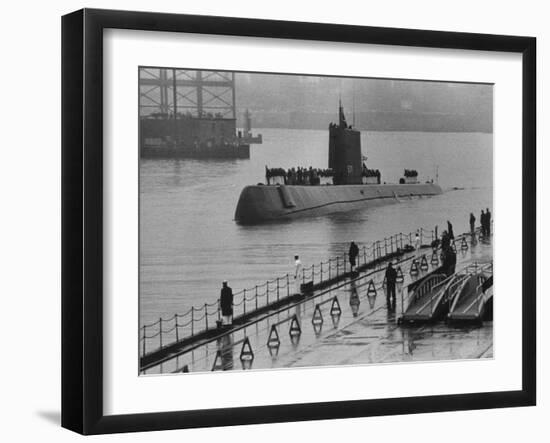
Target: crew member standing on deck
x=226, y=303
x=450, y=230
x=417, y=241
x=297, y=275
x=472, y=223
x=353, y=253
x=482, y=222
x=488, y=222
x=391, y=278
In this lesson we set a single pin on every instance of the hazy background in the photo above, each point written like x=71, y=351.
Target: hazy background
x=311, y=102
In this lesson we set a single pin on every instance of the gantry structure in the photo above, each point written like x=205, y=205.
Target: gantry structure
x=169, y=92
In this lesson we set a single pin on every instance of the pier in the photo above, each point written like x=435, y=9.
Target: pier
x=267, y=316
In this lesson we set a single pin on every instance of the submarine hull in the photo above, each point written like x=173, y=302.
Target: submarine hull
x=261, y=203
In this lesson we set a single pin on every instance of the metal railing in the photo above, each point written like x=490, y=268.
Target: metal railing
x=198, y=319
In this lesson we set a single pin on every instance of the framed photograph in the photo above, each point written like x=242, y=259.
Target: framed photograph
x=270, y=221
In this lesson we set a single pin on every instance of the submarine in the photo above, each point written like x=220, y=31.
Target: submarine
x=353, y=186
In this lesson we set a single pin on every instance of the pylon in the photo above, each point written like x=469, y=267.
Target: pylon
x=335, y=308
x=295, y=329
x=371, y=291
x=246, y=351
x=218, y=362
x=400, y=278
x=317, y=318
x=424, y=263
x=414, y=268
x=273, y=340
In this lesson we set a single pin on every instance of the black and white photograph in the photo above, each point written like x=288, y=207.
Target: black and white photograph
x=291, y=220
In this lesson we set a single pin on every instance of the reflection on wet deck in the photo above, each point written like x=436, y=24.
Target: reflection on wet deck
x=362, y=331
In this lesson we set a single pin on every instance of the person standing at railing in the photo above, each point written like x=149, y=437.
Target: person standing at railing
x=482, y=220
x=391, y=279
x=472, y=223
x=417, y=241
x=298, y=271
x=488, y=222
x=226, y=303
x=450, y=230
x=353, y=253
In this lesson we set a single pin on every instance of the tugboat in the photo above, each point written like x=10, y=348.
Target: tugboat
x=292, y=194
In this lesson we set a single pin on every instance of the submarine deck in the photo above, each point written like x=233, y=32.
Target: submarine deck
x=261, y=203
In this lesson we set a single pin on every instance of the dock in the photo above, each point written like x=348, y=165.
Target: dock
x=337, y=311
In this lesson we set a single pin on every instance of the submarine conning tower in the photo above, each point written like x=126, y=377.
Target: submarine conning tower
x=344, y=152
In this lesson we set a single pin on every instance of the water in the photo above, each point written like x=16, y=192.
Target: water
x=189, y=242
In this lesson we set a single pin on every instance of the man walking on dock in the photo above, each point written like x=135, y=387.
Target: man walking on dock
x=353, y=253
x=297, y=275
x=226, y=303
x=391, y=278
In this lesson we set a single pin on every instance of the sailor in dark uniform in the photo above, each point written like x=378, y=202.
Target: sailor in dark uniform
x=226, y=303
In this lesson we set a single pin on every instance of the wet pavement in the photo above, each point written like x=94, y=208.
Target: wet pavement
x=362, y=331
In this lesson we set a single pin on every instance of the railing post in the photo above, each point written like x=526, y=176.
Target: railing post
x=421, y=236
x=177, y=329
x=364, y=255
x=277, y=288
x=287, y=286
x=303, y=275
x=385, y=247
x=255, y=296
x=267, y=293
x=192, y=321
x=144, y=338
x=330, y=268
x=206, y=315
x=321, y=281
x=337, y=266
x=160, y=332
x=219, y=311
x=345, y=262
x=244, y=303
x=313, y=273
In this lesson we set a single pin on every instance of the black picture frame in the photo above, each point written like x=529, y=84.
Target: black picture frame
x=82, y=220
